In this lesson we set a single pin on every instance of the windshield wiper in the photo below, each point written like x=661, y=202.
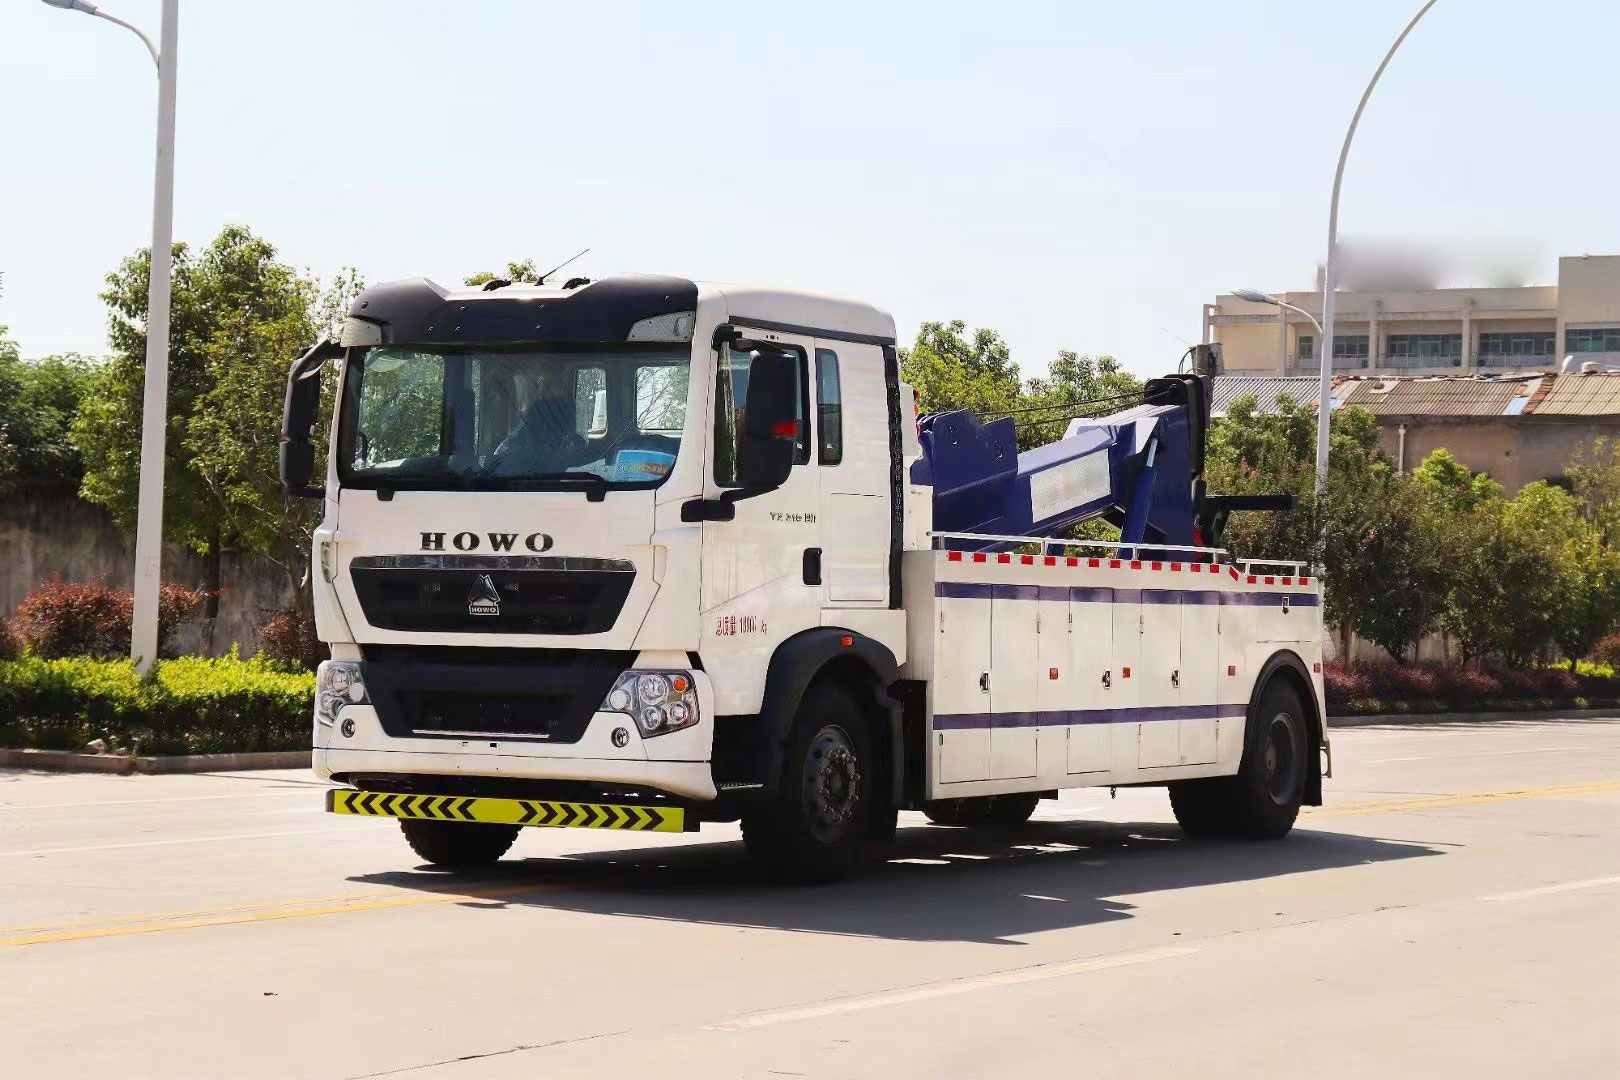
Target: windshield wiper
x=597, y=486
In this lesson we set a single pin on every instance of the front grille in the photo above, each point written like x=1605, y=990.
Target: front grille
x=518, y=595
x=437, y=693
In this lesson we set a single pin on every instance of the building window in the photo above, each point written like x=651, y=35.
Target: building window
x=829, y=409
x=1512, y=344
x=1349, y=346
x=1597, y=339
x=1431, y=350
x=1307, y=347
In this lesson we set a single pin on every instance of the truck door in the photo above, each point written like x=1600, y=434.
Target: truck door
x=1158, y=744
x=1014, y=654
x=1124, y=694
x=852, y=458
x=961, y=687
x=754, y=587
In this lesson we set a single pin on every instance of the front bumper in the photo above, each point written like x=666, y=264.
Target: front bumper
x=539, y=813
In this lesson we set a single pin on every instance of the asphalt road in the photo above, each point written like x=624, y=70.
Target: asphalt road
x=1453, y=911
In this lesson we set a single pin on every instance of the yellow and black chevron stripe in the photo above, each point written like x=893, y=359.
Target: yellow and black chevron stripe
x=508, y=811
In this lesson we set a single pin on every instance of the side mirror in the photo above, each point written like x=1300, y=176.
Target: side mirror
x=299, y=412
x=770, y=421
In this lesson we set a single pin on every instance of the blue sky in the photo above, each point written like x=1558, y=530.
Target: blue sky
x=1076, y=175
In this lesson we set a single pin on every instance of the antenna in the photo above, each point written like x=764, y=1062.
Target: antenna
x=559, y=266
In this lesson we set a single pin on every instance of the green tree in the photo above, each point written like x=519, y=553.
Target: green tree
x=525, y=272
x=952, y=371
x=37, y=402
x=1595, y=601
x=1409, y=545
x=239, y=316
x=1594, y=476
x=1072, y=378
x=1458, y=488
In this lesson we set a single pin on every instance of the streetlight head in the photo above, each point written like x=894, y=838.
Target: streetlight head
x=1254, y=296
x=73, y=5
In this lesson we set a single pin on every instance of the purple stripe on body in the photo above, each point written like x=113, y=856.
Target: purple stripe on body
x=1067, y=718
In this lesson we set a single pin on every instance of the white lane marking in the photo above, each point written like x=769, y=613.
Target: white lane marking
x=1479, y=753
x=1549, y=890
x=946, y=989
x=142, y=802
x=166, y=843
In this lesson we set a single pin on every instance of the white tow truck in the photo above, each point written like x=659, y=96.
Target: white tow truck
x=643, y=553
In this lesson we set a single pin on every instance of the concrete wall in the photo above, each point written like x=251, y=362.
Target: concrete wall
x=67, y=537
x=1515, y=451
x=1589, y=290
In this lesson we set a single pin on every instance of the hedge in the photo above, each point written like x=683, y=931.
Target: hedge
x=1374, y=688
x=192, y=705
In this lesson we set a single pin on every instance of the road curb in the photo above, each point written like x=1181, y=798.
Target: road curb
x=1471, y=717
x=68, y=761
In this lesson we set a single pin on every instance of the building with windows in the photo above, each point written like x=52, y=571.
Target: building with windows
x=1433, y=331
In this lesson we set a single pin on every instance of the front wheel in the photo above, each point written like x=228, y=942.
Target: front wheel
x=457, y=843
x=812, y=829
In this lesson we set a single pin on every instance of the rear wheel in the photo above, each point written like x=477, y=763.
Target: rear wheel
x=455, y=843
x=1262, y=801
x=1003, y=810
x=812, y=829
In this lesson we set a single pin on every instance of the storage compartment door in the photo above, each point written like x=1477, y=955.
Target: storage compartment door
x=1159, y=744
x=1127, y=677
x=1200, y=655
x=961, y=708
x=1092, y=679
x=1014, y=654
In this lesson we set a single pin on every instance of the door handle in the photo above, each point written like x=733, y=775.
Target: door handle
x=984, y=682
x=812, y=566
x=1108, y=678
x=1175, y=677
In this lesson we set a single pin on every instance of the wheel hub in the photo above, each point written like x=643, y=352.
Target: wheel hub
x=1282, y=757
x=832, y=784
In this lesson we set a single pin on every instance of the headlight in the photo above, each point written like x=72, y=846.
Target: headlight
x=659, y=701
x=337, y=683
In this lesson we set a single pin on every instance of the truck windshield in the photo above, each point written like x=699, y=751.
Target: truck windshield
x=531, y=417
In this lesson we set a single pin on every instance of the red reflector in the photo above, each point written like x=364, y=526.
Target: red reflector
x=1113, y=564
x=1027, y=560
x=1252, y=579
x=1231, y=669
x=1288, y=581
x=1304, y=581
x=846, y=641
x=978, y=556
x=1125, y=673
x=1003, y=558
x=1158, y=566
x=1317, y=666
x=1050, y=560
x=1271, y=581
x=1072, y=561
x=1093, y=562
x=787, y=428
x=1175, y=566
x=955, y=556
x=1051, y=673
x=1136, y=564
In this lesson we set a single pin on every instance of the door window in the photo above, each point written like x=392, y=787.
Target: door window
x=829, y=409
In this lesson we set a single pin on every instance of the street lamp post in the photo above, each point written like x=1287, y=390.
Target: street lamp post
x=154, y=409
x=1326, y=387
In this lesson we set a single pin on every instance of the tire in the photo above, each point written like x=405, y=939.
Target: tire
x=993, y=810
x=813, y=827
x=1262, y=801
x=458, y=844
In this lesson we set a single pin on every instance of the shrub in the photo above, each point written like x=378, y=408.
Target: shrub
x=92, y=618
x=289, y=637
x=1607, y=651
x=1399, y=688
x=10, y=643
x=190, y=706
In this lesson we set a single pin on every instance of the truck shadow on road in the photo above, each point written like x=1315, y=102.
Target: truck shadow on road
x=937, y=884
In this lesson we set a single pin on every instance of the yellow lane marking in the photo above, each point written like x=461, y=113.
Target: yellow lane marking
x=1437, y=802
x=235, y=916
x=374, y=901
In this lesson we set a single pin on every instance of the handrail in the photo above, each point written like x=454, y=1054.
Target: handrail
x=1249, y=564
x=997, y=538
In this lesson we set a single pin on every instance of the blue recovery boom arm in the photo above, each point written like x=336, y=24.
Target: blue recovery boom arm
x=1140, y=469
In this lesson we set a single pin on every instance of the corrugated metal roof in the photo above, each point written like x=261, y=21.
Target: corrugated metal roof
x=1436, y=397
x=1265, y=390
x=1578, y=394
